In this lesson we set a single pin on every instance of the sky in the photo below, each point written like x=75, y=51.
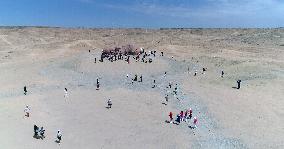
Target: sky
x=143, y=13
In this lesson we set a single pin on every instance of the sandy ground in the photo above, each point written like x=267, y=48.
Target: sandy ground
x=47, y=60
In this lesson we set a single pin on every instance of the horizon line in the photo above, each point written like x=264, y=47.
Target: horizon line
x=153, y=28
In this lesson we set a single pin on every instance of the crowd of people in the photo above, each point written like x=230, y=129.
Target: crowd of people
x=126, y=53
x=138, y=56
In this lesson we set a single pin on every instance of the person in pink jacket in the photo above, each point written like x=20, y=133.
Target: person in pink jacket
x=195, y=122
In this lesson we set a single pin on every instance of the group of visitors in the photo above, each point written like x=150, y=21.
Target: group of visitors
x=184, y=116
x=39, y=132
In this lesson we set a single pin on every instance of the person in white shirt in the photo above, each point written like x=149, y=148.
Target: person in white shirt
x=27, y=111
x=66, y=93
x=59, y=137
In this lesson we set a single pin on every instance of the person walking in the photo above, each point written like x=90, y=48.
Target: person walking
x=181, y=116
x=175, y=91
x=128, y=59
x=59, y=137
x=98, y=84
x=36, y=131
x=195, y=122
x=154, y=84
x=27, y=111
x=222, y=73
x=98, y=81
x=171, y=117
x=41, y=132
x=203, y=70
x=167, y=99
x=25, y=90
x=186, y=115
x=65, y=93
x=170, y=84
x=190, y=113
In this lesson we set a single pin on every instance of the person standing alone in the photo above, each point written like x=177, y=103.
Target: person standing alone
x=65, y=93
x=25, y=90
x=239, y=84
x=109, y=103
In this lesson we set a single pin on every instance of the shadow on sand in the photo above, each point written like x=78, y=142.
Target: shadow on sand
x=38, y=137
x=167, y=121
